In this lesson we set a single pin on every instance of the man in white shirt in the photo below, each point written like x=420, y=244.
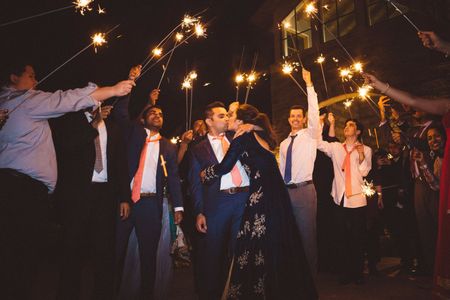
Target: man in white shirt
x=219, y=206
x=351, y=162
x=297, y=157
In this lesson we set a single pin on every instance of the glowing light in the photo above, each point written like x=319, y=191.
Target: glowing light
x=174, y=140
x=251, y=78
x=335, y=60
x=199, y=30
x=157, y=52
x=188, y=21
x=367, y=188
x=179, y=36
x=347, y=103
x=311, y=9
x=326, y=6
x=364, y=91
x=320, y=59
x=287, y=68
x=186, y=85
x=239, y=78
x=389, y=156
x=358, y=67
x=98, y=40
x=193, y=75
x=286, y=25
x=101, y=10
x=345, y=73
x=83, y=5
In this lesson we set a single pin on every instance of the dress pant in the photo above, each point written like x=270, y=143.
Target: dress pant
x=304, y=207
x=351, y=232
x=145, y=217
x=216, y=247
x=89, y=234
x=24, y=228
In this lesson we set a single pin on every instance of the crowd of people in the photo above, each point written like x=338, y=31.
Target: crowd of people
x=259, y=227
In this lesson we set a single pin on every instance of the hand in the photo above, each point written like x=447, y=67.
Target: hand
x=432, y=41
x=153, y=96
x=105, y=111
x=374, y=82
x=307, y=77
x=123, y=88
x=200, y=223
x=331, y=119
x=202, y=176
x=135, y=72
x=124, y=210
x=417, y=155
x=178, y=217
x=383, y=103
x=380, y=201
x=360, y=148
x=244, y=128
x=396, y=137
x=187, y=137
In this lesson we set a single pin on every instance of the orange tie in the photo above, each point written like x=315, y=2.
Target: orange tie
x=136, y=190
x=348, y=172
x=235, y=174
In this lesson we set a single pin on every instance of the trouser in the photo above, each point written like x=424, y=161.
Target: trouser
x=351, y=230
x=24, y=228
x=145, y=217
x=304, y=206
x=88, y=231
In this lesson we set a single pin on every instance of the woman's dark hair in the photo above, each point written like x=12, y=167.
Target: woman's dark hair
x=251, y=115
x=12, y=68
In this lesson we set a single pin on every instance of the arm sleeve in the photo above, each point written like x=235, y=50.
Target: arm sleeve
x=173, y=179
x=195, y=184
x=366, y=164
x=313, y=113
x=324, y=146
x=215, y=171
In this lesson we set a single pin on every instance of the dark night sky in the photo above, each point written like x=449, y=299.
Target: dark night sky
x=50, y=40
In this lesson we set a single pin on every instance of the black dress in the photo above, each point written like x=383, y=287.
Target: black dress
x=269, y=261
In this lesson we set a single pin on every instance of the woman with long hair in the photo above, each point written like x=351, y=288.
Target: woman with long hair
x=268, y=260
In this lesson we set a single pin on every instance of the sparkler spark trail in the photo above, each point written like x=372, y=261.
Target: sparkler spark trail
x=320, y=59
x=157, y=52
x=36, y=16
x=345, y=74
x=98, y=40
x=367, y=188
x=239, y=78
x=347, y=103
x=83, y=5
x=358, y=67
x=311, y=9
x=179, y=36
x=287, y=68
x=403, y=14
x=199, y=30
x=364, y=91
x=101, y=10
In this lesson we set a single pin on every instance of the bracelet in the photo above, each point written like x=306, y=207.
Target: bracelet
x=388, y=86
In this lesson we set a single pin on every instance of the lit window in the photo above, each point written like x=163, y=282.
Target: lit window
x=338, y=17
x=296, y=31
x=381, y=10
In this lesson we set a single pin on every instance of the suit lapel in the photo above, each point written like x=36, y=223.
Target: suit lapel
x=210, y=152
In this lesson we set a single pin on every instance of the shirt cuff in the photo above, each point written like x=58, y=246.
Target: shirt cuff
x=92, y=87
x=178, y=209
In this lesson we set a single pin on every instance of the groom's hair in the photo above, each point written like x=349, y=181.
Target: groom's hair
x=209, y=109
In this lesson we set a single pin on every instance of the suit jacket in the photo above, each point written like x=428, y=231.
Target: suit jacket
x=75, y=149
x=135, y=135
x=202, y=156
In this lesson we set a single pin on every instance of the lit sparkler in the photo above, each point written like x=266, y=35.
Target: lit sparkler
x=345, y=73
x=157, y=51
x=251, y=78
x=98, y=40
x=239, y=78
x=175, y=140
x=179, y=36
x=367, y=188
x=320, y=59
x=287, y=68
x=364, y=91
x=187, y=84
x=348, y=103
x=193, y=75
x=188, y=21
x=83, y=5
x=199, y=30
x=101, y=10
x=357, y=67
x=311, y=9
x=403, y=14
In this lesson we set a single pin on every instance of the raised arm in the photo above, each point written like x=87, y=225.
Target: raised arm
x=436, y=106
x=313, y=105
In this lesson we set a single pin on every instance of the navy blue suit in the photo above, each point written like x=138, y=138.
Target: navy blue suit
x=147, y=212
x=223, y=214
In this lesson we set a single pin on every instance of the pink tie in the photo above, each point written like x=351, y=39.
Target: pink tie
x=348, y=173
x=235, y=175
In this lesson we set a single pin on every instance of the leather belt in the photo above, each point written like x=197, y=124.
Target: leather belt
x=297, y=185
x=148, y=195
x=235, y=190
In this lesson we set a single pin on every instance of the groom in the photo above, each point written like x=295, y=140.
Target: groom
x=219, y=206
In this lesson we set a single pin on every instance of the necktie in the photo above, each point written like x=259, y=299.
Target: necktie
x=235, y=175
x=136, y=189
x=348, y=173
x=288, y=167
x=98, y=166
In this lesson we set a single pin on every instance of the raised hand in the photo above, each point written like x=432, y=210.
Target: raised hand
x=153, y=96
x=123, y=88
x=135, y=72
x=331, y=118
x=432, y=41
x=187, y=137
x=307, y=77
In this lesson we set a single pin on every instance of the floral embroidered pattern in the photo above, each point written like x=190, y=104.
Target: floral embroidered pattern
x=244, y=154
x=245, y=230
x=247, y=169
x=243, y=259
x=259, y=227
x=259, y=259
x=210, y=173
x=259, y=287
x=254, y=197
x=257, y=175
x=234, y=291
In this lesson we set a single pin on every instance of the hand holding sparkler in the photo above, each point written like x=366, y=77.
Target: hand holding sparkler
x=153, y=96
x=372, y=81
x=432, y=41
x=3, y=117
x=382, y=104
x=135, y=72
x=120, y=89
x=360, y=149
x=307, y=77
x=331, y=119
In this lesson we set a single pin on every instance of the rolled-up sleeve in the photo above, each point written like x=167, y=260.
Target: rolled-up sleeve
x=365, y=166
x=43, y=105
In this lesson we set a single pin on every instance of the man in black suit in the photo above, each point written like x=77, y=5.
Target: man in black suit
x=92, y=181
x=150, y=156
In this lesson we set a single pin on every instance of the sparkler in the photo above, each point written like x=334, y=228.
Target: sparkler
x=175, y=140
x=345, y=74
x=348, y=103
x=188, y=21
x=192, y=77
x=36, y=16
x=101, y=10
x=199, y=30
x=357, y=67
x=367, y=188
x=98, y=40
x=403, y=14
x=287, y=68
x=179, y=36
x=83, y=5
x=311, y=9
x=364, y=91
x=320, y=60
x=239, y=78
x=157, y=52
x=251, y=79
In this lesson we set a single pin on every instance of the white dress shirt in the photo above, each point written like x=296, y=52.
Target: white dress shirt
x=151, y=166
x=304, y=147
x=337, y=154
x=103, y=136
x=225, y=181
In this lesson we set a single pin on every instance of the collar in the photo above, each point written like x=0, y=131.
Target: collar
x=153, y=138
